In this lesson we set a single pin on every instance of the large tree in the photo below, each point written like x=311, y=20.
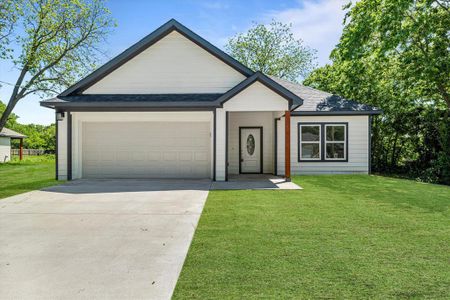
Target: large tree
x=394, y=54
x=415, y=32
x=9, y=10
x=273, y=50
x=57, y=41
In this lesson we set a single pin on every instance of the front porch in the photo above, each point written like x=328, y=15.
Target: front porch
x=256, y=103
x=254, y=142
x=255, y=182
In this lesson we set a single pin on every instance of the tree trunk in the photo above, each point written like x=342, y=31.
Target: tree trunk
x=15, y=97
x=394, y=150
x=6, y=113
x=386, y=155
x=445, y=95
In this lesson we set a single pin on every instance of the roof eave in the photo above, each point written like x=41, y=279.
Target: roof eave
x=146, y=42
x=269, y=83
x=336, y=113
x=128, y=106
x=13, y=136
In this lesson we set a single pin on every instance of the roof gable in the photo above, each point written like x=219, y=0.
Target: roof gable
x=145, y=43
x=172, y=65
x=294, y=100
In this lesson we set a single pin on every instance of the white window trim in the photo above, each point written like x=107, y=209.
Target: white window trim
x=335, y=142
x=311, y=142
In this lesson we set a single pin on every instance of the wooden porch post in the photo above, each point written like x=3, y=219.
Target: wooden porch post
x=287, y=145
x=21, y=149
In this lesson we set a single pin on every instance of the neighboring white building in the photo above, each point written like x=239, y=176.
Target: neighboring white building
x=5, y=143
x=175, y=106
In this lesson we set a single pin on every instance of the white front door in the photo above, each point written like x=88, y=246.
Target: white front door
x=250, y=149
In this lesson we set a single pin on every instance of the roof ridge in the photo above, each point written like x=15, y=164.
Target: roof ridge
x=145, y=43
x=301, y=84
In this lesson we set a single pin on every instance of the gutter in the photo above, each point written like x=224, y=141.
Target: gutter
x=337, y=113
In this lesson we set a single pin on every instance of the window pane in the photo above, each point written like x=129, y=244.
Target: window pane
x=335, y=133
x=310, y=150
x=335, y=150
x=310, y=133
x=250, y=144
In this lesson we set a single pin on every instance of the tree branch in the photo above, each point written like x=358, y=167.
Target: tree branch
x=442, y=5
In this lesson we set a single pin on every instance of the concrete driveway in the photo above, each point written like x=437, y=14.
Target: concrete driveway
x=98, y=239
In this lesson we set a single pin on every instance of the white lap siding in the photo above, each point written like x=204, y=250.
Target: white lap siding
x=358, y=146
x=257, y=105
x=172, y=65
x=221, y=140
x=5, y=149
x=250, y=119
x=62, y=148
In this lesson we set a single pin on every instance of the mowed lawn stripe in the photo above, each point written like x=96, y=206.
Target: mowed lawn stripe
x=34, y=172
x=343, y=236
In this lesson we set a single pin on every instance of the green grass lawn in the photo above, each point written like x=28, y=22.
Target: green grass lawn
x=33, y=172
x=343, y=236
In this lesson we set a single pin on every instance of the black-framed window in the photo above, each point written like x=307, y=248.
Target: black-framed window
x=310, y=142
x=322, y=142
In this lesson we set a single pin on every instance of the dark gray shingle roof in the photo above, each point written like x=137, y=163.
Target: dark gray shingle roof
x=319, y=101
x=311, y=101
x=11, y=133
x=142, y=97
x=137, y=100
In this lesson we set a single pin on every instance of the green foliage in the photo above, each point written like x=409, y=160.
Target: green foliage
x=31, y=173
x=272, y=50
x=9, y=10
x=58, y=44
x=394, y=55
x=12, y=119
x=414, y=33
x=38, y=136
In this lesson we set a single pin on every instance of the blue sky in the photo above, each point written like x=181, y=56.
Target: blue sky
x=317, y=22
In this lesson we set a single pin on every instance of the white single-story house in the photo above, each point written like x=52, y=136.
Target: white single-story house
x=175, y=106
x=6, y=135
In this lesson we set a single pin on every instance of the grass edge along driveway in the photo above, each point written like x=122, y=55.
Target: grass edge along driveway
x=32, y=173
x=343, y=236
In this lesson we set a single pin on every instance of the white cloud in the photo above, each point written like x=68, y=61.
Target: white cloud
x=317, y=23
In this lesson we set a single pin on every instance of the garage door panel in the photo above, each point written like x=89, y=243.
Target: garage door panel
x=170, y=156
x=201, y=156
x=107, y=156
x=91, y=156
x=146, y=150
x=185, y=156
x=154, y=155
x=138, y=156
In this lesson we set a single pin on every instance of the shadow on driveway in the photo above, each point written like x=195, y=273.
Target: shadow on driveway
x=94, y=186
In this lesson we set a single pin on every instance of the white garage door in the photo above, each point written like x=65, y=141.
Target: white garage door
x=146, y=150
